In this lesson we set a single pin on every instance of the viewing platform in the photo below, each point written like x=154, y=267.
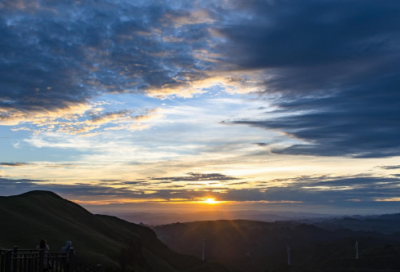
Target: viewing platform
x=33, y=260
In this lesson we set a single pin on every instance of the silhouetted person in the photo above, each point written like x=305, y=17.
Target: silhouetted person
x=67, y=248
x=43, y=245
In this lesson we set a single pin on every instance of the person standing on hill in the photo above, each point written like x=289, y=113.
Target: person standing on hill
x=66, y=249
x=43, y=245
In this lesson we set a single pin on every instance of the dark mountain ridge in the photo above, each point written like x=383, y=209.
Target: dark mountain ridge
x=253, y=246
x=27, y=218
x=384, y=223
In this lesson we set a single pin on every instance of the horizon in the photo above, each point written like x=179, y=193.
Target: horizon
x=160, y=217
x=201, y=106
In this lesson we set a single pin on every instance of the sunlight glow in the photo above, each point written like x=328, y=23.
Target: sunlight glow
x=211, y=201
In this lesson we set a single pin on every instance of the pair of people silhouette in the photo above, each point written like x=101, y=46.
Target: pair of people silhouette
x=46, y=261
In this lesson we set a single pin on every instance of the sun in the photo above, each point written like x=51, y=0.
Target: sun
x=210, y=201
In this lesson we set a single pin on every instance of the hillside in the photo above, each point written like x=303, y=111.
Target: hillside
x=386, y=223
x=27, y=218
x=253, y=246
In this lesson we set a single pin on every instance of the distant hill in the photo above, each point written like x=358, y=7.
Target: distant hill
x=27, y=218
x=253, y=246
x=150, y=218
x=386, y=223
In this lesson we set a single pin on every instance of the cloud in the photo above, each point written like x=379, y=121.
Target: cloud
x=329, y=191
x=390, y=167
x=181, y=17
x=37, y=165
x=328, y=67
x=21, y=128
x=198, y=177
x=132, y=182
x=59, y=56
x=16, y=183
x=14, y=164
x=63, y=165
x=95, y=120
x=392, y=199
x=238, y=183
x=261, y=144
x=109, y=116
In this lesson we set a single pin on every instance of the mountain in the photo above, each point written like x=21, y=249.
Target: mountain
x=253, y=246
x=27, y=218
x=386, y=223
x=163, y=218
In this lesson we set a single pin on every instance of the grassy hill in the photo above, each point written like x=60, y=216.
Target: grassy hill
x=27, y=218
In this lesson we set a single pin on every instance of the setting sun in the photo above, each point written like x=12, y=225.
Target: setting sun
x=211, y=201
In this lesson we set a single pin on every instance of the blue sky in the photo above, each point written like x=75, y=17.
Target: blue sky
x=273, y=105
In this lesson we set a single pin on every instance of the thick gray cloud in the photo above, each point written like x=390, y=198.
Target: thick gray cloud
x=332, y=68
x=57, y=55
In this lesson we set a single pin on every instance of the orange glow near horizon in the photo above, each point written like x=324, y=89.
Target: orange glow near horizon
x=210, y=201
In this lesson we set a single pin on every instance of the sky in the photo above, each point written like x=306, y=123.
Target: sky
x=274, y=105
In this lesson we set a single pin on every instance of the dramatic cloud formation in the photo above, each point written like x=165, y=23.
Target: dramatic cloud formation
x=331, y=65
x=57, y=56
x=117, y=99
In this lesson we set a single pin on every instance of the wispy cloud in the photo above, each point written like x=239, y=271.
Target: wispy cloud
x=13, y=164
x=390, y=167
x=198, y=177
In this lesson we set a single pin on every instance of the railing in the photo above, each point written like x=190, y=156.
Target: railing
x=31, y=260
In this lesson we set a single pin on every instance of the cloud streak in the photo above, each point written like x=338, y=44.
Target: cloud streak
x=390, y=167
x=13, y=164
x=198, y=177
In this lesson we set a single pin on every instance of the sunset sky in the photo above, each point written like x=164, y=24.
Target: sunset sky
x=176, y=105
